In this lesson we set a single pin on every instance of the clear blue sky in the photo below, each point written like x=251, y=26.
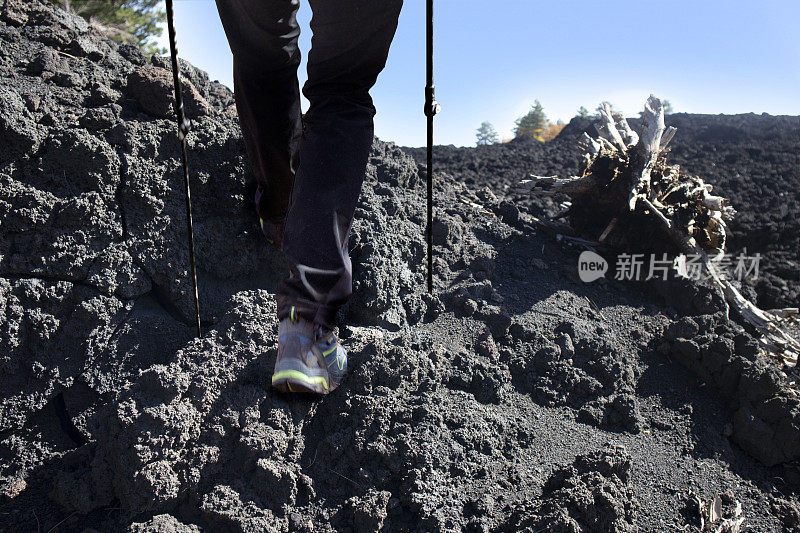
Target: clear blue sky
x=494, y=58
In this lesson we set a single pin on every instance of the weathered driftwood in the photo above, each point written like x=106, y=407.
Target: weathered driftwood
x=774, y=339
x=550, y=185
x=645, y=153
x=711, y=518
x=626, y=191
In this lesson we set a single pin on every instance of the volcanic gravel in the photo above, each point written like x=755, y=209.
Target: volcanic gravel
x=514, y=397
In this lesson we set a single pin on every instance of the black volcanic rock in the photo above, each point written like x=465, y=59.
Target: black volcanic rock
x=485, y=405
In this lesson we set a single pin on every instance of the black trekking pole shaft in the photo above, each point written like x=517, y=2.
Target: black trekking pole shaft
x=430, y=111
x=183, y=130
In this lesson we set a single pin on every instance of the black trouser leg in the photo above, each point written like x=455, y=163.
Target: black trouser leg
x=349, y=46
x=263, y=38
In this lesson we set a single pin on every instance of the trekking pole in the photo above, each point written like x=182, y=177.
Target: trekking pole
x=431, y=108
x=183, y=129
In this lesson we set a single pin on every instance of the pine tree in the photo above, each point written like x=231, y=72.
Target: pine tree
x=583, y=112
x=533, y=123
x=486, y=134
x=126, y=21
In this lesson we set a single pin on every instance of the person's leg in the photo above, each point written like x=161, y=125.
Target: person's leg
x=349, y=47
x=263, y=36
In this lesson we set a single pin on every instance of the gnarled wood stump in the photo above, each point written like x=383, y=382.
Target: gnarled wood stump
x=628, y=198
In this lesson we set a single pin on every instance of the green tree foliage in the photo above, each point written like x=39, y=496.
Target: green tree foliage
x=126, y=21
x=533, y=123
x=583, y=112
x=486, y=134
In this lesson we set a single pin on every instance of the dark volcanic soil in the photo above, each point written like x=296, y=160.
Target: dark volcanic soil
x=515, y=397
x=754, y=160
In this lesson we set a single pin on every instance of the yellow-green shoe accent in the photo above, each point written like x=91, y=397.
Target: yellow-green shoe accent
x=261, y=221
x=295, y=376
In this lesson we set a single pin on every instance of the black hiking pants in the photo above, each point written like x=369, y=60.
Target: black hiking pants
x=309, y=169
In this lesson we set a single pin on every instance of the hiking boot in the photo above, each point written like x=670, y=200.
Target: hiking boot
x=310, y=358
x=272, y=228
